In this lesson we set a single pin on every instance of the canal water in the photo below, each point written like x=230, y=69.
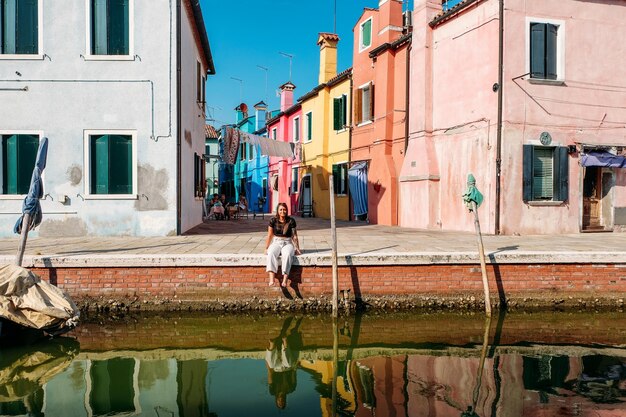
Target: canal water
x=384, y=364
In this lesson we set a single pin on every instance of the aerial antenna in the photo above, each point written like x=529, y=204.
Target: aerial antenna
x=240, y=88
x=290, y=56
x=266, y=71
x=335, y=18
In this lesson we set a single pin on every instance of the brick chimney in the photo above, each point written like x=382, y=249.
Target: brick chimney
x=328, y=56
x=286, y=95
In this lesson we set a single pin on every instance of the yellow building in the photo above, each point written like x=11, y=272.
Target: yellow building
x=326, y=133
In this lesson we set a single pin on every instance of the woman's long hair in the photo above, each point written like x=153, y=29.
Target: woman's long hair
x=279, y=205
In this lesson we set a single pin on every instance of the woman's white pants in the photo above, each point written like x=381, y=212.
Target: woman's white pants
x=283, y=247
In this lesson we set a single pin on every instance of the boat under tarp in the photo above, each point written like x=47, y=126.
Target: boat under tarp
x=31, y=302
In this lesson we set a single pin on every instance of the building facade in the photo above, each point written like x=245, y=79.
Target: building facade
x=542, y=132
x=126, y=133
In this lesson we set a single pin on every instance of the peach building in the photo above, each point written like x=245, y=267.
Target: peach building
x=379, y=104
x=528, y=96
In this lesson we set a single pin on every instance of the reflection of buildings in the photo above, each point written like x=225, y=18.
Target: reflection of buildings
x=178, y=383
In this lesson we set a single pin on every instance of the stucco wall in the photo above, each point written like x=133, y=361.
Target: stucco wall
x=69, y=94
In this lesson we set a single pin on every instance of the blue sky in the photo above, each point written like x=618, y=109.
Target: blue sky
x=246, y=33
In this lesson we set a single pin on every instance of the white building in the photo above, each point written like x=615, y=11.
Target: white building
x=118, y=87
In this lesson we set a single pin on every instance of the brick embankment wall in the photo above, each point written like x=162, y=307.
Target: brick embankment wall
x=210, y=283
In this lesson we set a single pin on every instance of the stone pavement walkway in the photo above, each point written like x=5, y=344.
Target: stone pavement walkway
x=243, y=240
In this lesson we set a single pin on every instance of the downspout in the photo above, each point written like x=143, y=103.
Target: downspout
x=499, y=127
x=350, y=150
x=178, y=120
x=406, y=101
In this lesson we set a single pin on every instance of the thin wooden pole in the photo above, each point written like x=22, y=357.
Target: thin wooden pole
x=481, y=254
x=333, y=237
x=24, y=237
x=335, y=365
x=481, y=366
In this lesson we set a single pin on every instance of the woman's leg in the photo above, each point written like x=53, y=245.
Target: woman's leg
x=287, y=253
x=273, y=252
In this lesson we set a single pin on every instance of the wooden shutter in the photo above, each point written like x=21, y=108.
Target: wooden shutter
x=99, y=38
x=527, y=179
x=26, y=33
x=309, y=126
x=371, y=102
x=337, y=114
x=19, y=155
x=8, y=26
x=99, y=164
x=336, y=179
x=344, y=110
x=366, y=33
x=10, y=174
x=358, y=99
x=551, y=51
x=120, y=164
x=118, y=27
x=537, y=50
x=561, y=174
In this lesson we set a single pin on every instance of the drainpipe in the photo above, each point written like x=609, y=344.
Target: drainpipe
x=406, y=101
x=178, y=121
x=499, y=127
x=350, y=150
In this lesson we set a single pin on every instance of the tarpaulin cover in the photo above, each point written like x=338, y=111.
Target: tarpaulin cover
x=27, y=300
x=602, y=159
x=357, y=177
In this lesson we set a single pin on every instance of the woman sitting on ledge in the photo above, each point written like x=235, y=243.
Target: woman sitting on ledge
x=282, y=240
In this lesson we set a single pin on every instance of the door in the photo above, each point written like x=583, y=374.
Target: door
x=305, y=195
x=592, y=199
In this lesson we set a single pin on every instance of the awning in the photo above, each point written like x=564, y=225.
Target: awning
x=602, y=159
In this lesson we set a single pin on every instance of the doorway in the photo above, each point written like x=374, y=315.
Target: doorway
x=306, y=204
x=598, y=185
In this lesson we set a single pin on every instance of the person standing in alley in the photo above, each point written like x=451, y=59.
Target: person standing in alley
x=282, y=240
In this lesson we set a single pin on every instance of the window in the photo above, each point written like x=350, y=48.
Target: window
x=264, y=188
x=365, y=34
x=112, y=387
x=296, y=130
x=19, y=153
x=546, y=173
x=543, y=51
x=364, y=103
x=294, y=180
x=274, y=134
x=251, y=152
x=340, y=112
x=309, y=126
x=340, y=178
x=199, y=177
x=110, y=32
x=19, y=27
x=111, y=163
x=200, y=86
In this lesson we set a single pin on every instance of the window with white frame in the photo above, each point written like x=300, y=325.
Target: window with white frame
x=364, y=103
x=365, y=34
x=340, y=178
x=200, y=86
x=19, y=27
x=274, y=134
x=546, y=173
x=545, y=49
x=19, y=152
x=340, y=112
x=294, y=180
x=309, y=126
x=110, y=27
x=111, y=163
x=296, y=129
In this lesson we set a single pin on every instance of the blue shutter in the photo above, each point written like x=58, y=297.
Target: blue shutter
x=561, y=174
x=537, y=50
x=99, y=27
x=527, y=178
x=9, y=26
x=26, y=34
x=118, y=27
x=551, y=51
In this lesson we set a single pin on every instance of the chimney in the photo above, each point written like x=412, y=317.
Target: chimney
x=260, y=115
x=391, y=20
x=328, y=56
x=286, y=95
x=242, y=112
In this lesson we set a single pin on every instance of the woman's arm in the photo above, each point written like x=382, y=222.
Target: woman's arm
x=296, y=244
x=270, y=235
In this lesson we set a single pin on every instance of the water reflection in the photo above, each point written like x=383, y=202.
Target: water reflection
x=316, y=366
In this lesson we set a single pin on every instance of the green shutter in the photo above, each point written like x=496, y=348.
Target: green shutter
x=99, y=43
x=537, y=50
x=309, y=126
x=543, y=174
x=337, y=114
x=367, y=33
x=120, y=164
x=336, y=179
x=344, y=110
x=118, y=27
x=528, y=173
x=8, y=25
x=26, y=34
x=561, y=174
x=99, y=164
x=551, y=51
x=9, y=162
x=18, y=160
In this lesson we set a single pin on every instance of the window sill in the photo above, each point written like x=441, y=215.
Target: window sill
x=345, y=129
x=16, y=57
x=545, y=203
x=12, y=197
x=341, y=195
x=540, y=81
x=111, y=197
x=365, y=123
x=364, y=48
x=109, y=57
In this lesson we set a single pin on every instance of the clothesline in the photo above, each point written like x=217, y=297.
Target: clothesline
x=233, y=137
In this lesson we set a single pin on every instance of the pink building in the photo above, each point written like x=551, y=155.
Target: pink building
x=543, y=133
x=283, y=172
x=380, y=67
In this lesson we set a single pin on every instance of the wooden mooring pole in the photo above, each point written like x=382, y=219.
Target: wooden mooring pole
x=333, y=237
x=481, y=254
x=23, y=238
